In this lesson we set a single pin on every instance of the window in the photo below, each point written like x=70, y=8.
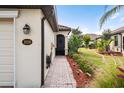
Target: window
x=116, y=40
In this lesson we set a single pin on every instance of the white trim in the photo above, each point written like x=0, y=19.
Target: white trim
x=14, y=44
x=8, y=14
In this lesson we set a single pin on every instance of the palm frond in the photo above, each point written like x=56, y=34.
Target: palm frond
x=109, y=13
x=105, y=8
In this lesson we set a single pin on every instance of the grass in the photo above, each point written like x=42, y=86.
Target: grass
x=91, y=56
x=106, y=74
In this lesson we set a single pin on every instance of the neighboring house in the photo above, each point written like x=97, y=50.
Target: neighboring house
x=118, y=40
x=29, y=33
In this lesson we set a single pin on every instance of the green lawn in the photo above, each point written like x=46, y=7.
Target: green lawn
x=91, y=56
x=106, y=74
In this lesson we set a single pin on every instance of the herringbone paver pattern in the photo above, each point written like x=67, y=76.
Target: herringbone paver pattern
x=60, y=74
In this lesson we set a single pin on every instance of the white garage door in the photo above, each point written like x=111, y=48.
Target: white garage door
x=6, y=52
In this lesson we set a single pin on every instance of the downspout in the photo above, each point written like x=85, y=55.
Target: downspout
x=42, y=50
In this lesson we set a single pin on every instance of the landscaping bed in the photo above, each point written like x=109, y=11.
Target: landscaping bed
x=102, y=70
x=108, y=69
x=81, y=78
x=112, y=53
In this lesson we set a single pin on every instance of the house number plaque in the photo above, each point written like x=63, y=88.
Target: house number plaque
x=27, y=41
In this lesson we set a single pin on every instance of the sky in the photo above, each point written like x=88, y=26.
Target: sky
x=86, y=17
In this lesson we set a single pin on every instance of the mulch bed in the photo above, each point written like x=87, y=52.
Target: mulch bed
x=81, y=78
x=112, y=53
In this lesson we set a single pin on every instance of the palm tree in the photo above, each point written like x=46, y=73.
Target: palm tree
x=109, y=13
x=76, y=31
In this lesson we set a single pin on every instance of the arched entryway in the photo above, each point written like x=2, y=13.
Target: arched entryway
x=60, y=45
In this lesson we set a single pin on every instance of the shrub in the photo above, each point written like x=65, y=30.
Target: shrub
x=70, y=53
x=73, y=44
x=83, y=64
x=104, y=42
x=101, y=45
x=76, y=56
x=85, y=67
x=100, y=49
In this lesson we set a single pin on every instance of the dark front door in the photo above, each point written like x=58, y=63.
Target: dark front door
x=60, y=50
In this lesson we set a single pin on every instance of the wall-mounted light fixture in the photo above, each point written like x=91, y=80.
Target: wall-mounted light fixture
x=26, y=29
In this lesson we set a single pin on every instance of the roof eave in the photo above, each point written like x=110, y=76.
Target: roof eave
x=52, y=21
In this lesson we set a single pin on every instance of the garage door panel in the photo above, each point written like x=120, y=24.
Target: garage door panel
x=6, y=68
x=6, y=25
x=6, y=84
x=6, y=52
x=6, y=35
x=6, y=43
x=6, y=60
x=6, y=77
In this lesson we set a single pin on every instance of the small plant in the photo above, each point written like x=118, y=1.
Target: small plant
x=100, y=45
x=85, y=67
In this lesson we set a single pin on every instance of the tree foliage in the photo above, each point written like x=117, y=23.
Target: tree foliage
x=106, y=34
x=103, y=44
x=76, y=31
x=74, y=43
x=109, y=13
x=86, y=40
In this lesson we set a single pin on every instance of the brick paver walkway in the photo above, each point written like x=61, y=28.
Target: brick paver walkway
x=60, y=74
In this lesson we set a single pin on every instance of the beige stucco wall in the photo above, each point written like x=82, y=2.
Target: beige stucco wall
x=65, y=33
x=49, y=42
x=28, y=57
